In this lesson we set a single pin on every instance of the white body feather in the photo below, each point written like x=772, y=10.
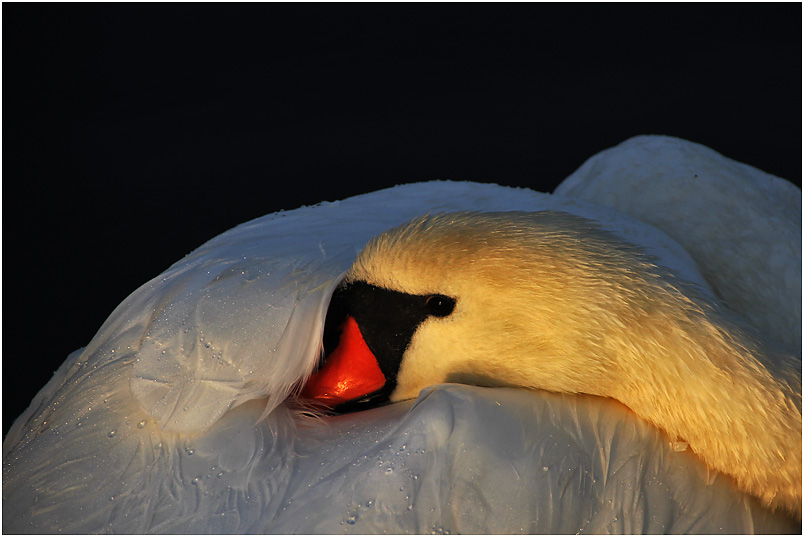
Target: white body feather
x=742, y=225
x=171, y=419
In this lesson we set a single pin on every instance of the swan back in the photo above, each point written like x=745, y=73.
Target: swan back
x=740, y=224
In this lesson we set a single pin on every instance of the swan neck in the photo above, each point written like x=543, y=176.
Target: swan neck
x=734, y=413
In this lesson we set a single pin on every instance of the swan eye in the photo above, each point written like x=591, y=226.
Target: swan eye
x=439, y=305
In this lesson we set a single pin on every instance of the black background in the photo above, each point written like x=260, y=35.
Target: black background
x=134, y=133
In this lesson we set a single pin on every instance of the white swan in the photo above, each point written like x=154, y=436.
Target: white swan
x=171, y=420
x=550, y=301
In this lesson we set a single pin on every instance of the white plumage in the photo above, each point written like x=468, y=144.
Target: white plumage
x=171, y=420
x=742, y=225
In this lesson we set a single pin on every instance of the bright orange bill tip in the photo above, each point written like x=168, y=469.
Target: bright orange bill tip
x=350, y=371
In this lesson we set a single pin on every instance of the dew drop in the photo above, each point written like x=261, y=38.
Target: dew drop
x=351, y=519
x=189, y=451
x=389, y=470
x=112, y=433
x=195, y=480
x=679, y=446
x=141, y=424
x=370, y=503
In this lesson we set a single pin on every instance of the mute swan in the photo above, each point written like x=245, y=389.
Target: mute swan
x=174, y=418
x=549, y=301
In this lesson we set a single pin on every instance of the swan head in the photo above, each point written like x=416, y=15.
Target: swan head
x=551, y=301
x=541, y=300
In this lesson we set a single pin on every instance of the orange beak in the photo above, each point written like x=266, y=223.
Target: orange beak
x=349, y=372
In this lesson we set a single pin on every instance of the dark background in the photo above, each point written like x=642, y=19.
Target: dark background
x=134, y=133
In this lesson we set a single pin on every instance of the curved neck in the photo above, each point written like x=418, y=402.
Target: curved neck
x=719, y=393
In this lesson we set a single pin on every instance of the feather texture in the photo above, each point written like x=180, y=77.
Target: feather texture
x=172, y=419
